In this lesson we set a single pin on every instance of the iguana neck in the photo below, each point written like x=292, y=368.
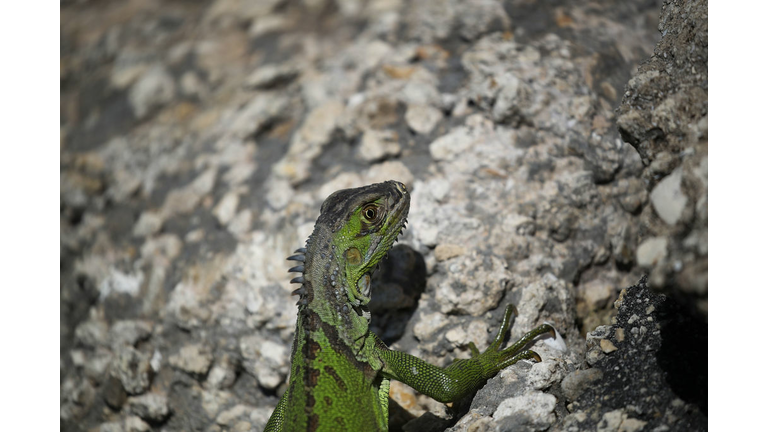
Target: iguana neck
x=327, y=289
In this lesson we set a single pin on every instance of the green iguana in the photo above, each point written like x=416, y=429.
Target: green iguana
x=340, y=371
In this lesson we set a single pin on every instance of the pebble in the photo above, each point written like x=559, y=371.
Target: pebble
x=652, y=251
x=447, y=251
x=129, y=332
x=422, y=118
x=133, y=370
x=262, y=109
x=389, y=170
x=668, y=199
x=378, y=145
x=226, y=208
x=537, y=406
x=152, y=90
x=135, y=424
x=152, y=407
x=576, y=382
x=271, y=75
x=267, y=361
x=195, y=359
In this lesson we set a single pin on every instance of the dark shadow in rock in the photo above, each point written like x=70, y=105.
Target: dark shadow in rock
x=683, y=353
x=396, y=289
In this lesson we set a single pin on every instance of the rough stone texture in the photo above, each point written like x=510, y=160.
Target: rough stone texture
x=198, y=140
x=150, y=407
x=664, y=115
x=661, y=391
x=194, y=359
x=133, y=370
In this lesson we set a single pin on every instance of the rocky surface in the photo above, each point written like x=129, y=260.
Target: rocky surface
x=198, y=140
x=663, y=114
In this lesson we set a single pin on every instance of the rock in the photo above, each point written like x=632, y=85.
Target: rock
x=152, y=90
x=664, y=116
x=226, y=208
x=194, y=359
x=510, y=97
x=345, y=180
x=479, y=293
x=632, y=195
x=378, y=145
x=479, y=17
x=279, y=193
x=133, y=370
x=389, y=170
x=536, y=408
x=135, y=424
x=149, y=223
x=308, y=142
x=96, y=363
x=185, y=199
x=264, y=108
x=545, y=373
x=618, y=421
x=577, y=381
x=272, y=75
x=129, y=332
x=212, y=401
x=111, y=427
x=267, y=361
x=119, y=282
x=406, y=397
x=652, y=251
x=241, y=223
x=191, y=85
x=635, y=339
x=457, y=337
x=668, y=198
x=152, y=407
x=223, y=373
x=420, y=88
x=236, y=418
x=92, y=333
x=451, y=145
x=427, y=325
x=77, y=398
x=259, y=417
x=607, y=346
x=422, y=118
x=113, y=393
x=447, y=251
x=127, y=68
x=596, y=294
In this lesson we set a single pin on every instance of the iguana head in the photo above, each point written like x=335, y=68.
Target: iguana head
x=364, y=222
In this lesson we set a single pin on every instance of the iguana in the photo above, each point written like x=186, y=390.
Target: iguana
x=340, y=371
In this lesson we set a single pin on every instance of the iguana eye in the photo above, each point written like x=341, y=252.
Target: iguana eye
x=370, y=212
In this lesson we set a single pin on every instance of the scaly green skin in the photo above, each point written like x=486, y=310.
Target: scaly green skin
x=340, y=371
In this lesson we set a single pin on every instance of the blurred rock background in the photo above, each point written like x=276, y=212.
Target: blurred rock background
x=556, y=152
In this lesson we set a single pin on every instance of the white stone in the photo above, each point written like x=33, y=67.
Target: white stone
x=668, y=198
x=651, y=251
x=422, y=118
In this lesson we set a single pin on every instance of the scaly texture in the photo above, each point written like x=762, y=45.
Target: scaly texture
x=340, y=371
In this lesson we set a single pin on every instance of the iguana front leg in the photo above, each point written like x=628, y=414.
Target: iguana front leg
x=463, y=376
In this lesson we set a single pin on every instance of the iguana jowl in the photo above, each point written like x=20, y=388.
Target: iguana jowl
x=340, y=371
